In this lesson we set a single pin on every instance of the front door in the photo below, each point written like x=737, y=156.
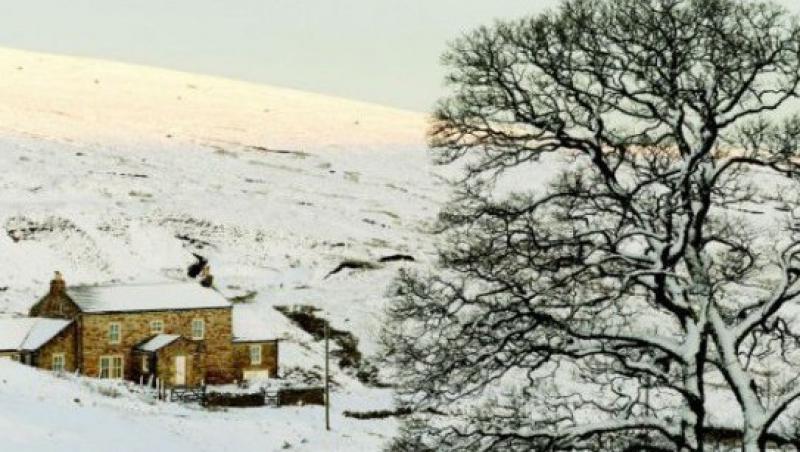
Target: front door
x=180, y=371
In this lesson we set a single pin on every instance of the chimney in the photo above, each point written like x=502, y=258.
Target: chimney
x=57, y=285
x=206, y=279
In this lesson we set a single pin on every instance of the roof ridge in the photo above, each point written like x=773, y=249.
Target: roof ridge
x=146, y=297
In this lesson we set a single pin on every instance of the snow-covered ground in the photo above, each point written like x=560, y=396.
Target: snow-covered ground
x=41, y=412
x=118, y=173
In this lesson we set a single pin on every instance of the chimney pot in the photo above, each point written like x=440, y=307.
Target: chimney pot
x=57, y=285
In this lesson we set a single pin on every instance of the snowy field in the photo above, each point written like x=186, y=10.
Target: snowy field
x=40, y=412
x=119, y=173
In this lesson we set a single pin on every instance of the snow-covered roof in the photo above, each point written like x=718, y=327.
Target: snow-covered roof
x=146, y=297
x=254, y=325
x=157, y=342
x=29, y=333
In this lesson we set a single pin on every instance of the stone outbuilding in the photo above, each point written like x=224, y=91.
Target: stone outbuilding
x=255, y=359
x=40, y=342
x=255, y=354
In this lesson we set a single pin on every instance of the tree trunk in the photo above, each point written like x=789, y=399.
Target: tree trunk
x=750, y=443
x=694, y=428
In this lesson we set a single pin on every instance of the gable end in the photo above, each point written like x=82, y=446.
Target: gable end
x=58, y=306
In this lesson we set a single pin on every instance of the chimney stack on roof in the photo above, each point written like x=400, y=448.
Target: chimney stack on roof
x=58, y=285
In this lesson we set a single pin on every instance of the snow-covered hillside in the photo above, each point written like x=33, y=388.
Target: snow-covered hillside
x=119, y=173
x=92, y=101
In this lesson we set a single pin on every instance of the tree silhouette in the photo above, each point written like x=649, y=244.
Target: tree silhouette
x=628, y=282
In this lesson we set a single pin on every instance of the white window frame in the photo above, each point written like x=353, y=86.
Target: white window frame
x=255, y=358
x=111, y=338
x=201, y=329
x=112, y=371
x=145, y=364
x=59, y=362
x=156, y=329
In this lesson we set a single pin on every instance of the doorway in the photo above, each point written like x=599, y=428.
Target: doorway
x=180, y=371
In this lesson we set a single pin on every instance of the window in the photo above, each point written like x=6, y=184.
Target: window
x=156, y=326
x=58, y=362
x=145, y=364
x=114, y=333
x=111, y=367
x=255, y=355
x=198, y=329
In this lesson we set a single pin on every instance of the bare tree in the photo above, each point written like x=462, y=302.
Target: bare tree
x=600, y=309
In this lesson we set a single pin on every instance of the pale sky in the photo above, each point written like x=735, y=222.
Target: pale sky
x=382, y=51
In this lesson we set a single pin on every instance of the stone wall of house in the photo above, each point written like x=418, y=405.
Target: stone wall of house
x=64, y=342
x=217, y=348
x=269, y=358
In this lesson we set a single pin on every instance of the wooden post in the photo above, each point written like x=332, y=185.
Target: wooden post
x=327, y=381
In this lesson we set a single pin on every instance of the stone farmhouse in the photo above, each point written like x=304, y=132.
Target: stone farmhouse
x=180, y=333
